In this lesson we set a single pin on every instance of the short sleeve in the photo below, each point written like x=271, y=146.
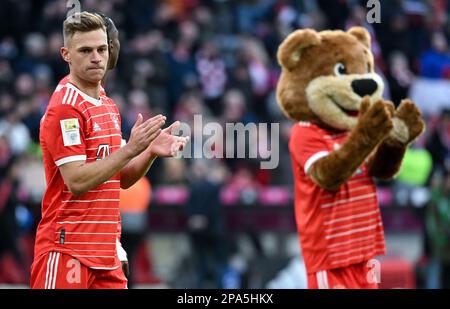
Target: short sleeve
x=116, y=109
x=64, y=134
x=307, y=145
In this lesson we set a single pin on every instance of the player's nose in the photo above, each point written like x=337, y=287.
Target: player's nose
x=96, y=58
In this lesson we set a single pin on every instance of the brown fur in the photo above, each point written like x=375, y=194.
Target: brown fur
x=373, y=126
x=386, y=162
x=316, y=60
x=312, y=89
x=362, y=35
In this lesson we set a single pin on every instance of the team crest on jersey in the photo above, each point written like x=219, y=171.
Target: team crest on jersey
x=116, y=122
x=103, y=151
x=70, y=130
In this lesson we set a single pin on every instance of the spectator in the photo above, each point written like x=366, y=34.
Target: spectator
x=206, y=225
x=435, y=63
x=439, y=142
x=16, y=132
x=9, y=228
x=438, y=231
x=212, y=75
x=134, y=203
x=399, y=76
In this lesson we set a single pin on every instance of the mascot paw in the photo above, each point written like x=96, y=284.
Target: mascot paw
x=375, y=120
x=408, y=124
x=410, y=115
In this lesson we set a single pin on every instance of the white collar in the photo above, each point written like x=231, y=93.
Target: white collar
x=96, y=102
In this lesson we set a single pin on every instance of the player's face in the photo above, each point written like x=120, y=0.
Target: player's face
x=87, y=54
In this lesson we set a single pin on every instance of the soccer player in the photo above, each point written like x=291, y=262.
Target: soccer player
x=86, y=163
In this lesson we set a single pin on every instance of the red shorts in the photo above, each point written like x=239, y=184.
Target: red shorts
x=56, y=270
x=358, y=276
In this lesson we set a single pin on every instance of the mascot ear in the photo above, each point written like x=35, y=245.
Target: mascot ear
x=361, y=34
x=291, y=49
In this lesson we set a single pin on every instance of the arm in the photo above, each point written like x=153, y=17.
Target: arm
x=136, y=168
x=408, y=125
x=373, y=125
x=381, y=167
x=165, y=145
x=81, y=177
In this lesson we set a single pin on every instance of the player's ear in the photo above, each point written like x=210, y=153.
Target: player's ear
x=110, y=46
x=65, y=54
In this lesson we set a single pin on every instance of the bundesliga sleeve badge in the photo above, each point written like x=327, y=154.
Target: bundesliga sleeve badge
x=70, y=129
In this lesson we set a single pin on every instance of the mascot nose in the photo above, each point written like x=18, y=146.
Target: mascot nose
x=363, y=87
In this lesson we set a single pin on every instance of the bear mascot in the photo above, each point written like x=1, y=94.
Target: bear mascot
x=344, y=135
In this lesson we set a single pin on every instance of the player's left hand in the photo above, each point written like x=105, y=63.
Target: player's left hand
x=126, y=269
x=166, y=144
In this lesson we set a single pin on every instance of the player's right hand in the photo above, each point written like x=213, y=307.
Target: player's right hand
x=143, y=133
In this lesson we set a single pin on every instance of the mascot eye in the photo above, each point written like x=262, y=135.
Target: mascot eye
x=368, y=68
x=340, y=69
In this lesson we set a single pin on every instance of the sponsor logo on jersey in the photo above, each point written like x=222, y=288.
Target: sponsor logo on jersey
x=103, y=151
x=116, y=122
x=97, y=127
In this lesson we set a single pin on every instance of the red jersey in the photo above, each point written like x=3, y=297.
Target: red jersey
x=77, y=127
x=336, y=229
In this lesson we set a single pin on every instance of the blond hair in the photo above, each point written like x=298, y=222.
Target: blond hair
x=81, y=22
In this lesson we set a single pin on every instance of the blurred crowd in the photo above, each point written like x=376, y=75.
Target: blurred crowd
x=216, y=58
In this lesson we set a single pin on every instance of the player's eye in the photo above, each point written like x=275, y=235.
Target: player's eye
x=340, y=69
x=85, y=51
x=102, y=49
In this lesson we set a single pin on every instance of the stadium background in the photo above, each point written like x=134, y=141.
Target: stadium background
x=226, y=223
